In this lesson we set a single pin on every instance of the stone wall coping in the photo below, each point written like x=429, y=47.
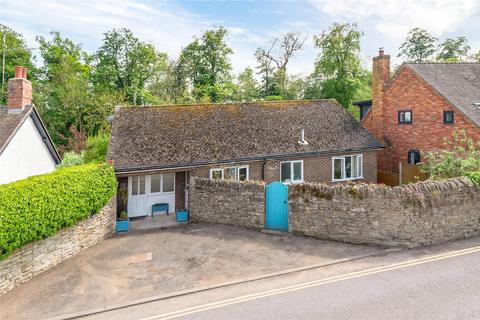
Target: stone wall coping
x=245, y=185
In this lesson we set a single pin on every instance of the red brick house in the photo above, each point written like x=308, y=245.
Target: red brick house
x=156, y=149
x=421, y=104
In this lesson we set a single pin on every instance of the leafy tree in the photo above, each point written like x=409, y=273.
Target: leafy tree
x=247, y=86
x=63, y=92
x=96, y=150
x=125, y=64
x=170, y=87
x=205, y=63
x=419, y=46
x=16, y=54
x=476, y=57
x=266, y=71
x=453, y=49
x=338, y=68
x=280, y=53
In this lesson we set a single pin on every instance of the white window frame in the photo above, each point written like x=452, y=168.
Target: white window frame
x=161, y=183
x=237, y=175
x=360, y=156
x=291, y=171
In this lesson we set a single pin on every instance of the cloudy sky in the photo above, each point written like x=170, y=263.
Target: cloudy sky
x=170, y=25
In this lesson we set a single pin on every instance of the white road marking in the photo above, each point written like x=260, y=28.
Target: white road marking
x=314, y=283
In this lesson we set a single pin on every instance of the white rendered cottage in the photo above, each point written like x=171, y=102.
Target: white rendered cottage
x=26, y=149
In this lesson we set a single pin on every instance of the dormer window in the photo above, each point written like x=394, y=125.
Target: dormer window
x=405, y=116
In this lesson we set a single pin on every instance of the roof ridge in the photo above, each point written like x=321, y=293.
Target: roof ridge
x=227, y=104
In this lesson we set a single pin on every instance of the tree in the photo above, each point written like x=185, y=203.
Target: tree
x=247, y=86
x=419, y=46
x=453, y=49
x=476, y=57
x=16, y=53
x=338, y=70
x=206, y=64
x=280, y=53
x=125, y=64
x=63, y=92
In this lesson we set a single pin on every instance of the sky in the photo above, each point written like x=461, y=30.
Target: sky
x=171, y=25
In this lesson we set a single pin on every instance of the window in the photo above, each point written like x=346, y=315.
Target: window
x=413, y=156
x=405, y=116
x=291, y=171
x=138, y=185
x=164, y=182
x=448, y=117
x=347, y=168
x=477, y=104
x=239, y=173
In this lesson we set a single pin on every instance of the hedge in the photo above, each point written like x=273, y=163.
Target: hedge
x=39, y=206
x=475, y=177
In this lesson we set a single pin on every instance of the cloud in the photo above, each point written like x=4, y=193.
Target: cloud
x=395, y=18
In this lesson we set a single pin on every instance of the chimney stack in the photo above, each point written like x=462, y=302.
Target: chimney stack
x=19, y=91
x=380, y=78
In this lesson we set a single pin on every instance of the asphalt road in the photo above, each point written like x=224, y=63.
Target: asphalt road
x=440, y=289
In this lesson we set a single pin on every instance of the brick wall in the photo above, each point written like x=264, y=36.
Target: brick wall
x=407, y=91
x=319, y=168
x=37, y=257
x=227, y=202
x=412, y=215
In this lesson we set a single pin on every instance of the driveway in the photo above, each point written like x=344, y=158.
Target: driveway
x=136, y=266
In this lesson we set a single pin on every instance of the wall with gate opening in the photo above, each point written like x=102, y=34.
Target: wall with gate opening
x=412, y=215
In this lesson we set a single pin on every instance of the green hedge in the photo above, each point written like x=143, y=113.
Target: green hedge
x=475, y=177
x=38, y=207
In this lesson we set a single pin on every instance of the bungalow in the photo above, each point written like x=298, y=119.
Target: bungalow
x=26, y=148
x=156, y=149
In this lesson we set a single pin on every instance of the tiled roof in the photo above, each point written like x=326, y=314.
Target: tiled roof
x=173, y=136
x=459, y=83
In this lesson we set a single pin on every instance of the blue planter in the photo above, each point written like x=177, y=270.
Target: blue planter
x=182, y=216
x=122, y=225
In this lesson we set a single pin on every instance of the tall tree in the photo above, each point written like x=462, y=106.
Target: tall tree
x=206, y=64
x=247, y=86
x=63, y=92
x=126, y=64
x=15, y=53
x=338, y=68
x=453, y=49
x=280, y=54
x=476, y=57
x=419, y=46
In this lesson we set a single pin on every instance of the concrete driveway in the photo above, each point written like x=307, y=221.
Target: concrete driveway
x=136, y=266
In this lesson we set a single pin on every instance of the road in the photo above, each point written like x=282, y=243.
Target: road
x=444, y=284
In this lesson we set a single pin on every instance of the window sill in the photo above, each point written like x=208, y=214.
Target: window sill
x=348, y=179
x=293, y=182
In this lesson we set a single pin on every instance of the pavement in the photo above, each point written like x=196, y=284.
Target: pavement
x=142, y=265
x=439, y=282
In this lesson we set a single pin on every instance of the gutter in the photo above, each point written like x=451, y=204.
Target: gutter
x=129, y=170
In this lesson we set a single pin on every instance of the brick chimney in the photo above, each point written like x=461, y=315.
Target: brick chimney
x=19, y=91
x=380, y=77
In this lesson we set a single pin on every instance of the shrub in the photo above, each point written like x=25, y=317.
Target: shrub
x=71, y=158
x=461, y=155
x=475, y=177
x=38, y=207
x=97, y=148
x=273, y=98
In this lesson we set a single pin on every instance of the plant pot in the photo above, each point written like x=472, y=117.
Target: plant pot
x=122, y=225
x=182, y=216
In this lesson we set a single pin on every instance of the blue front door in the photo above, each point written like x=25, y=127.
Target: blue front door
x=277, y=207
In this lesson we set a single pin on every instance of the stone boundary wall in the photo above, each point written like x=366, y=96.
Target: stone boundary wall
x=39, y=256
x=412, y=215
x=227, y=202
x=409, y=216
